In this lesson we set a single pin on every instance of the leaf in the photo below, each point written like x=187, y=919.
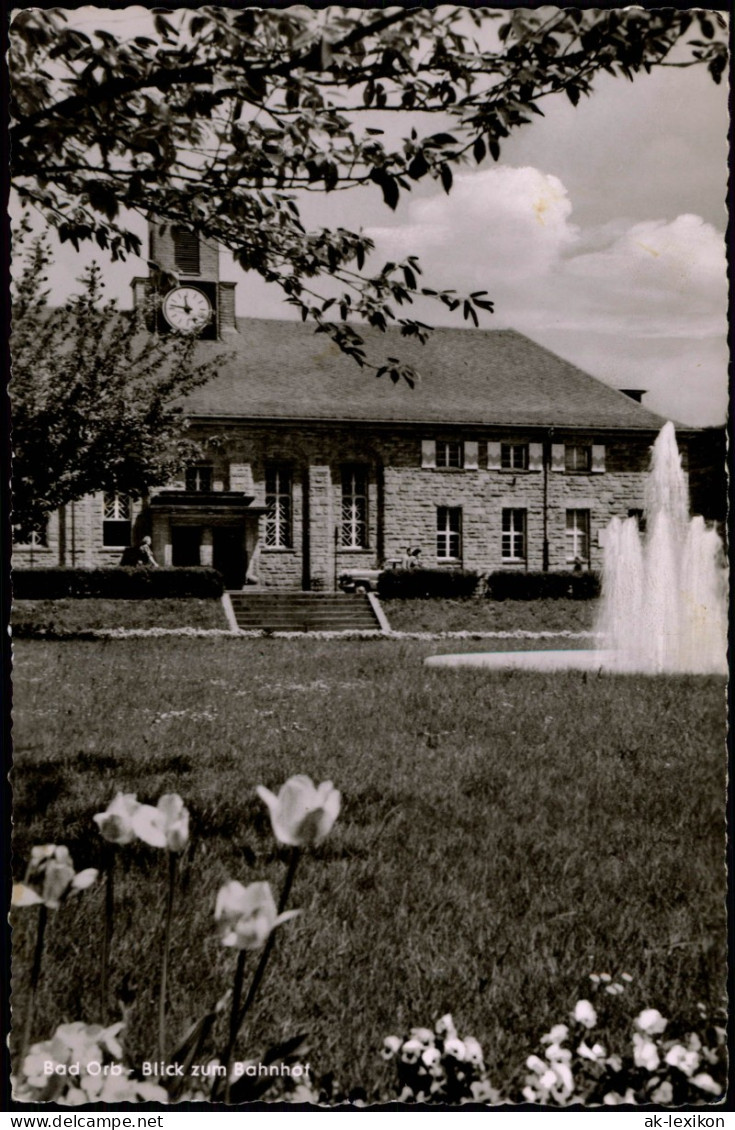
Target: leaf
x=192, y=1042
x=445, y=173
x=418, y=167
x=468, y=312
x=494, y=149
x=479, y=149
x=388, y=184
x=440, y=139
x=572, y=93
x=249, y=1088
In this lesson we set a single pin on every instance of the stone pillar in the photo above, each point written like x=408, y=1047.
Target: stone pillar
x=241, y=477
x=161, y=538
x=321, y=532
x=205, y=546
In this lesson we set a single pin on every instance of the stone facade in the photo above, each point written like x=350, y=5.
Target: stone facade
x=404, y=494
x=75, y=536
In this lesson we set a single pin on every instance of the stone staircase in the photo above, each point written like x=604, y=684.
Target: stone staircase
x=303, y=612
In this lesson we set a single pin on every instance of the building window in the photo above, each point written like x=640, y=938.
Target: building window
x=116, y=524
x=578, y=535
x=514, y=535
x=639, y=517
x=354, y=508
x=449, y=533
x=449, y=453
x=186, y=251
x=278, y=494
x=577, y=457
x=514, y=456
x=199, y=477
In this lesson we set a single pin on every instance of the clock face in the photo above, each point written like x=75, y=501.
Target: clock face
x=187, y=308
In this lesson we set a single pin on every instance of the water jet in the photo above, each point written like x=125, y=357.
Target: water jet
x=663, y=608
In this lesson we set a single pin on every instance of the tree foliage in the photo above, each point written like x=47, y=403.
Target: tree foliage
x=225, y=119
x=94, y=397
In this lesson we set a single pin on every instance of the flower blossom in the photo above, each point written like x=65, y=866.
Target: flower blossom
x=51, y=878
x=81, y=1045
x=685, y=1061
x=430, y=1057
x=411, y=1051
x=116, y=822
x=595, y=1053
x=391, y=1046
x=557, y=1035
x=473, y=1051
x=165, y=826
x=246, y=916
x=455, y=1047
x=705, y=1082
x=651, y=1022
x=302, y=814
x=645, y=1052
x=445, y=1025
x=584, y=1013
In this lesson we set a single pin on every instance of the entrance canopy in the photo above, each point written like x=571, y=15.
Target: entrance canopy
x=216, y=528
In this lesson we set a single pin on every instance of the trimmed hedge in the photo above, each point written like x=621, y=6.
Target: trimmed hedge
x=407, y=584
x=507, y=585
x=118, y=583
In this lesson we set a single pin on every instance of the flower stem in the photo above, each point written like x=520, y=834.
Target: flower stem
x=107, y=937
x=172, y=864
x=234, y=1026
x=35, y=974
x=293, y=861
x=258, y=975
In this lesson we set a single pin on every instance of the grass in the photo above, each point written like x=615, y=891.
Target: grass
x=490, y=615
x=503, y=835
x=71, y=615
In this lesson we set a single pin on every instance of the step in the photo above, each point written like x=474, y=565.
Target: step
x=303, y=612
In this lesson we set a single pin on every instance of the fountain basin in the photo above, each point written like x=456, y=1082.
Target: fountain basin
x=528, y=660
x=606, y=662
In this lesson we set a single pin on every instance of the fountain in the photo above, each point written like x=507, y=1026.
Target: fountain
x=664, y=594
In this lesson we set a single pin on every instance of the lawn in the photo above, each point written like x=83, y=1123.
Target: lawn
x=481, y=615
x=503, y=835
x=74, y=615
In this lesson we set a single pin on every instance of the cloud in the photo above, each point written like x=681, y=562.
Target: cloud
x=623, y=285
x=503, y=225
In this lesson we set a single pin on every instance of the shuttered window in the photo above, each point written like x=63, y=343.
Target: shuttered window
x=577, y=458
x=514, y=456
x=186, y=251
x=449, y=453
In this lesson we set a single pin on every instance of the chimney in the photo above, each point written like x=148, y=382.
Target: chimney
x=636, y=394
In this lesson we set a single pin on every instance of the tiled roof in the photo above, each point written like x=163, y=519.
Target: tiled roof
x=283, y=370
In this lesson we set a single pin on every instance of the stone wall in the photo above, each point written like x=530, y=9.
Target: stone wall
x=402, y=510
x=403, y=496
x=75, y=537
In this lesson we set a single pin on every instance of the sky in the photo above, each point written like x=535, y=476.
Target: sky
x=599, y=234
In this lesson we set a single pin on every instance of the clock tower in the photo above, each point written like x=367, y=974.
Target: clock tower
x=192, y=296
